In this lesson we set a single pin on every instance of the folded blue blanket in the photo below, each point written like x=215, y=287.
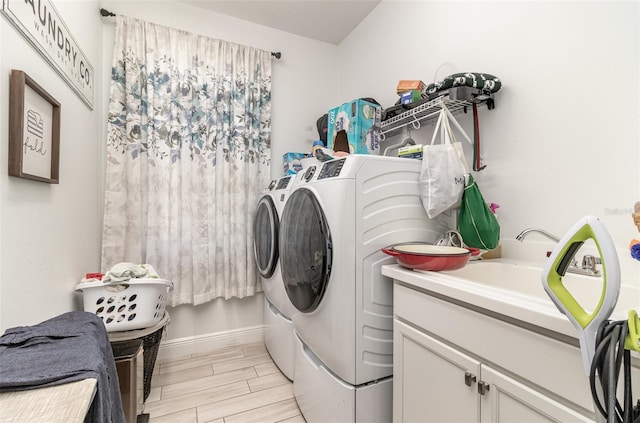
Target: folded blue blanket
x=66, y=348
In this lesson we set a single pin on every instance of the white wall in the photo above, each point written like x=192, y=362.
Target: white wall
x=50, y=234
x=563, y=140
x=303, y=82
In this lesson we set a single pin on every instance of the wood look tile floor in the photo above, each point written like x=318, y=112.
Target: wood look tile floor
x=239, y=384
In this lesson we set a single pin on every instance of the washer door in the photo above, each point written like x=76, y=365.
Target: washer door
x=265, y=236
x=306, y=252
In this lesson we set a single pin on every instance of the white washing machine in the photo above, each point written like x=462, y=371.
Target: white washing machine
x=335, y=222
x=278, y=309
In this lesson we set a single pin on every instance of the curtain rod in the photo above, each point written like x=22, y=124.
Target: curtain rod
x=106, y=13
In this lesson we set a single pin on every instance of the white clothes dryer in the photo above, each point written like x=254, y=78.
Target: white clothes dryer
x=277, y=309
x=335, y=222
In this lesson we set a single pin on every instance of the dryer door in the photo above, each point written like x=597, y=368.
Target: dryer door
x=265, y=236
x=306, y=252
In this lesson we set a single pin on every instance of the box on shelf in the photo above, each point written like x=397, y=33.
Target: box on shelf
x=408, y=85
x=360, y=120
x=293, y=162
x=410, y=96
x=411, y=151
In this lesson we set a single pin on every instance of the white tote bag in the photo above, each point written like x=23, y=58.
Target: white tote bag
x=444, y=169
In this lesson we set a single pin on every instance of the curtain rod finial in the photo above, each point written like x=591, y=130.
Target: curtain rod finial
x=276, y=54
x=105, y=13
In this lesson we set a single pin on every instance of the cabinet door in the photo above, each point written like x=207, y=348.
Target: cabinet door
x=508, y=401
x=432, y=382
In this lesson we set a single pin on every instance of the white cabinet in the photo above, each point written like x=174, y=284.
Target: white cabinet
x=432, y=382
x=511, y=401
x=441, y=377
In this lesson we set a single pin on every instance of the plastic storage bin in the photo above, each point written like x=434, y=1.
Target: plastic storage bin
x=133, y=304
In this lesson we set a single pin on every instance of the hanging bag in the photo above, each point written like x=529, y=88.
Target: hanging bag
x=442, y=178
x=477, y=224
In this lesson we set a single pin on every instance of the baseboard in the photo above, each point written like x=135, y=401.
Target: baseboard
x=211, y=341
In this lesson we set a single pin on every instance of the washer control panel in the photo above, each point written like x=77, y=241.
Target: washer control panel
x=331, y=168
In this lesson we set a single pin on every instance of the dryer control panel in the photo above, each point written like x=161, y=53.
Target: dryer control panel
x=283, y=183
x=331, y=169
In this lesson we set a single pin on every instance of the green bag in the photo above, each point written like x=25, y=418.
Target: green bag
x=477, y=224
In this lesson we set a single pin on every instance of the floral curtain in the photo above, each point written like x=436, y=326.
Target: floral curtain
x=188, y=153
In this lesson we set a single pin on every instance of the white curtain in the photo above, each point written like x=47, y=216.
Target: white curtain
x=188, y=153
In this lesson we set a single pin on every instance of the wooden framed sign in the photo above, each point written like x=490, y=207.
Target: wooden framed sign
x=43, y=26
x=34, y=130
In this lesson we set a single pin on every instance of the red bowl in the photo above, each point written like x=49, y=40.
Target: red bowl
x=430, y=257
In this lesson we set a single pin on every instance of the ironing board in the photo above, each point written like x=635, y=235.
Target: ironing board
x=69, y=402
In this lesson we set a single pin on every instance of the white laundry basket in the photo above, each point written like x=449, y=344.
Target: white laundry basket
x=133, y=304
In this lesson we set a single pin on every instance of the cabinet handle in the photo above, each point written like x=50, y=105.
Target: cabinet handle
x=483, y=387
x=469, y=378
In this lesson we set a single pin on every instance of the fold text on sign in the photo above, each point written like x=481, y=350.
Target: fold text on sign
x=43, y=26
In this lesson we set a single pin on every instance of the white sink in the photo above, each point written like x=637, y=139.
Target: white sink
x=527, y=280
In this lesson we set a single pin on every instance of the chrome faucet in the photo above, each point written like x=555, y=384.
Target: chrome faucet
x=589, y=262
x=527, y=231
x=589, y=265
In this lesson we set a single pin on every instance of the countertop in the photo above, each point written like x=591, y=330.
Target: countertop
x=534, y=313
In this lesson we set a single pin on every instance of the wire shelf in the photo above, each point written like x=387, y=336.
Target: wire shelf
x=422, y=113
